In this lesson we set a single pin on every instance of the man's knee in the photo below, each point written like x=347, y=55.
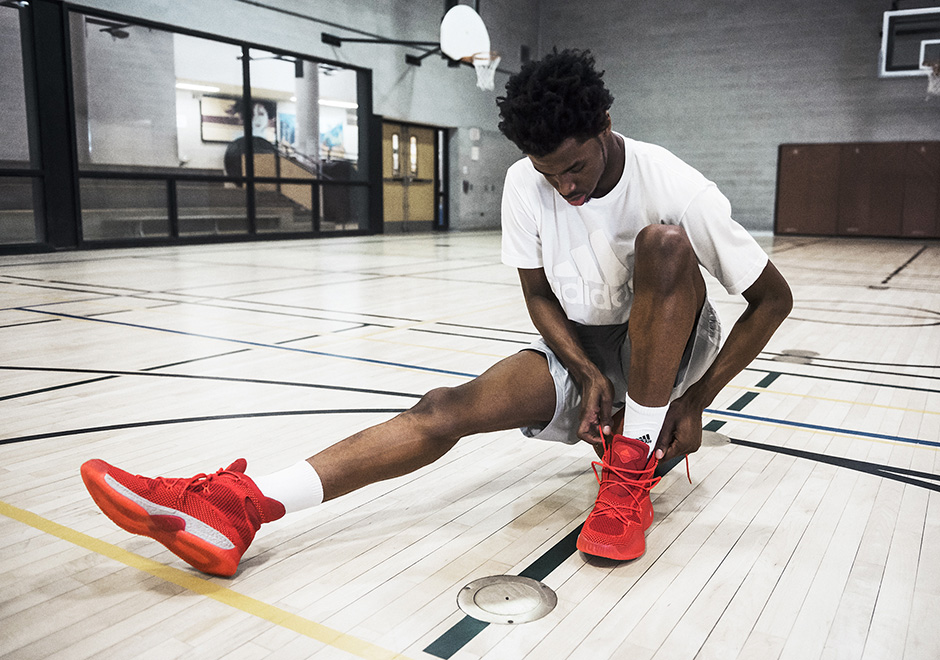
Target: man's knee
x=664, y=243
x=436, y=412
x=664, y=256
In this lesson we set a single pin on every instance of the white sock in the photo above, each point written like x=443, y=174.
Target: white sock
x=643, y=423
x=297, y=487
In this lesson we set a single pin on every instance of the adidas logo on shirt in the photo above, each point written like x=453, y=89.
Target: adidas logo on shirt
x=593, y=276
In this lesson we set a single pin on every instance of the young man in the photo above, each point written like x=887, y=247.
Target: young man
x=608, y=235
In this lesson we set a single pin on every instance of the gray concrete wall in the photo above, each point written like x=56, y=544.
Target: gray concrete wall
x=722, y=83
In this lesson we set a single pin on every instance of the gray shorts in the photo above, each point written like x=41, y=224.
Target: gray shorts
x=608, y=346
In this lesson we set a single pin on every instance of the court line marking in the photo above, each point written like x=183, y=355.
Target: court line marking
x=711, y=412
x=830, y=399
x=256, y=344
x=880, y=437
x=205, y=587
x=149, y=372
x=203, y=418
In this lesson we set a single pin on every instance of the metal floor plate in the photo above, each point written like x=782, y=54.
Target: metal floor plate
x=509, y=599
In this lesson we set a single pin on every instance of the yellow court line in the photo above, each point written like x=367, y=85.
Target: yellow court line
x=764, y=390
x=205, y=587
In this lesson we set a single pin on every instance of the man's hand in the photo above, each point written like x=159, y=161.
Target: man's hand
x=682, y=430
x=597, y=395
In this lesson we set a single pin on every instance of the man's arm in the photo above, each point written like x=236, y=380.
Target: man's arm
x=557, y=330
x=768, y=303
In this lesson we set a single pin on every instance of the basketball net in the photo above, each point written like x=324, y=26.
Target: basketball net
x=485, y=64
x=933, y=80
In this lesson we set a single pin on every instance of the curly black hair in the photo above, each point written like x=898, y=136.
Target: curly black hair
x=560, y=96
x=238, y=107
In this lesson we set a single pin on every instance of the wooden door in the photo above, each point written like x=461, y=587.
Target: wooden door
x=871, y=189
x=808, y=189
x=921, y=216
x=409, y=177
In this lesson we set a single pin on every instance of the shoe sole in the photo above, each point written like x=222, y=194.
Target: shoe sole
x=614, y=551
x=604, y=551
x=166, y=526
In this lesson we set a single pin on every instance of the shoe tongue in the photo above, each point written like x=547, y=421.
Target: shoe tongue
x=271, y=509
x=238, y=466
x=628, y=453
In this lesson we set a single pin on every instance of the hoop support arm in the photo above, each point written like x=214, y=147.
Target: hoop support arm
x=333, y=40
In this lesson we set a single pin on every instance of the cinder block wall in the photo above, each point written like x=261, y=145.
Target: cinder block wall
x=722, y=83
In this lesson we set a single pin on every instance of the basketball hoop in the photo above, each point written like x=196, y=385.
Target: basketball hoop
x=485, y=64
x=464, y=37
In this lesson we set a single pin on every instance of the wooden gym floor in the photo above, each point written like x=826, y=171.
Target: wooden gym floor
x=811, y=528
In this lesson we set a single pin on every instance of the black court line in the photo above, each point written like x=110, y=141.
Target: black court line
x=529, y=333
x=842, y=367
x=904, y=265
x=432, y=331
x=745, y=399
x=903, y=475
x=779, y=250
x=83, y=289
x=227, y=379
x=467, y=628
x=274, y=312
x=826, y=429
x=812, y=360
x=245, y=342
x=245, y=298
x=833, y=379
x=142, y=294
x=17, y=325
x=460, y=634
x=192, y=360
x=190, y=420
x=56, y=387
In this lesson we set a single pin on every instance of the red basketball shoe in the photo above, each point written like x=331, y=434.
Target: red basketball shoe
x=616, y=526
x=207, y=521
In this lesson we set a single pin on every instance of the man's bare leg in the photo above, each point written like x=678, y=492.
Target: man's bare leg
x=669, y=292
x=213, y=518
x=517, y=391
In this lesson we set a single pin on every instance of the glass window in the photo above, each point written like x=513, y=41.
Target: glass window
x=15, y=145
x=413, y=156
x=151, y=100
x=304, y=127
x=308, y=111
x=339, y=124
x=344, y=208
x=20, y=210
x=211, y=207
x=396, y=154
x=115, y=209
x=284, y=207
x=164, y=117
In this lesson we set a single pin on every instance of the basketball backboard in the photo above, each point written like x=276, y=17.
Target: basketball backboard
x=463, y=33
x=909, y=37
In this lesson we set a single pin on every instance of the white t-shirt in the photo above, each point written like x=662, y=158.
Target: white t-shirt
x=587, y=251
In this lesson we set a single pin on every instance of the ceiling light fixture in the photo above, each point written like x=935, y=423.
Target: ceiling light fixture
x=348, y=105
x=197, y=88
